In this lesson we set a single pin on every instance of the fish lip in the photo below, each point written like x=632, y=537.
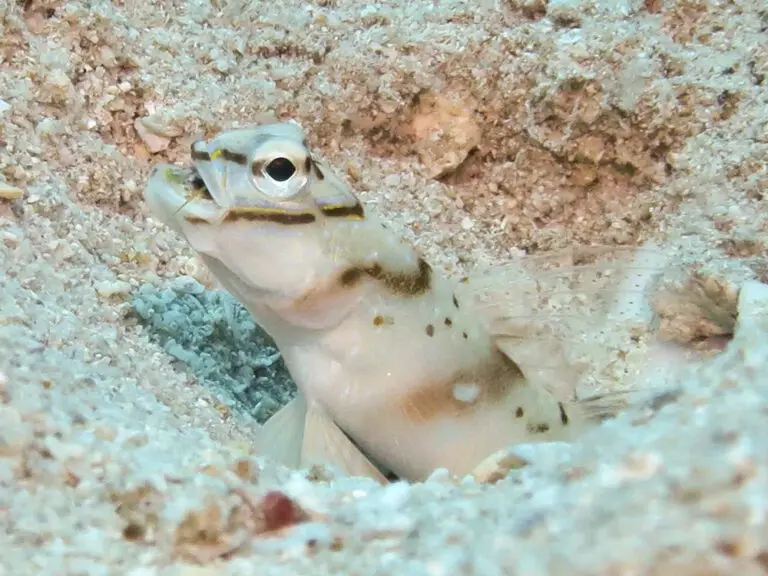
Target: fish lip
x=171, y=194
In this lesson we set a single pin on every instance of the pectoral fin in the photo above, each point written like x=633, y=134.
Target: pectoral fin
x=281, y=436
x=326, y=443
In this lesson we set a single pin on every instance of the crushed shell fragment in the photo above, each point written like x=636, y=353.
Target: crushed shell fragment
x=496, y=466
x=8, y=192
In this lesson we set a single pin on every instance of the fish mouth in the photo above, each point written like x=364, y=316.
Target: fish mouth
x=176, y=193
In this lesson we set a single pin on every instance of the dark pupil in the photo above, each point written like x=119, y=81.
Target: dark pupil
x=280, y=169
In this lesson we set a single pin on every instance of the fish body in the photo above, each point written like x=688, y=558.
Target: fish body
x=396, y=369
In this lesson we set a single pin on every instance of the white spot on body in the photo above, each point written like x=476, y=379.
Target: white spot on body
x=466, y=392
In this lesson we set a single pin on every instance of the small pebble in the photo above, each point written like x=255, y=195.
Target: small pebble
x=187, y=285
x=8, y=192
x=110, y=288
x=155, y=142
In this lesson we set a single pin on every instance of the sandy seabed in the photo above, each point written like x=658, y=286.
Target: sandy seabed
x=478, y=129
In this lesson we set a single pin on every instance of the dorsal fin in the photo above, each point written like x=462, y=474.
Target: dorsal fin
x=573, y=317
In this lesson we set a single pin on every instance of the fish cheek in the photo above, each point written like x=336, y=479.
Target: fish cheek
x=203, y=237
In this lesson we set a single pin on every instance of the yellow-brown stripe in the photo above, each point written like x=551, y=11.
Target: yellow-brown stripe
x=354, y=212
x=230, y=156
x=403, y=283
x=278, y=217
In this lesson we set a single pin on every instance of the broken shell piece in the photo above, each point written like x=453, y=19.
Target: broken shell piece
x=279, y=511
x=157, y=126
x=445, y=132
x=155, y=142
x=110, y=288
x=8, y=192
x=497, y=466
x=274, y=514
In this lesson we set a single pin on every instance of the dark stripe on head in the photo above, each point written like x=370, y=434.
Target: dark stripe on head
x=318, y=173
x=286, y=218
x=235, y=157
x=355, y=211
x=200, y=155
x=401, y=283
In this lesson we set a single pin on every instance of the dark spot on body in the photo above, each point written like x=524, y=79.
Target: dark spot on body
x=307, y=164
x=464, y=335
x=380, y=320
x=430, y=330
x=538, y=428
x=134, y=532
x=519, y=413
x=455, y=301
x=563, y=415
x=351, y=276
x=448, y=322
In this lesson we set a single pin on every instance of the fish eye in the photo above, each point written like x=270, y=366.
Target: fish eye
x=280, y=169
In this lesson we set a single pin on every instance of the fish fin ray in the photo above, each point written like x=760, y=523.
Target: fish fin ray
x=325, y=443
x=570, y=313
x=280, y=438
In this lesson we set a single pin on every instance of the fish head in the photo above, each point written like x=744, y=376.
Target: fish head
x=260, y=209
